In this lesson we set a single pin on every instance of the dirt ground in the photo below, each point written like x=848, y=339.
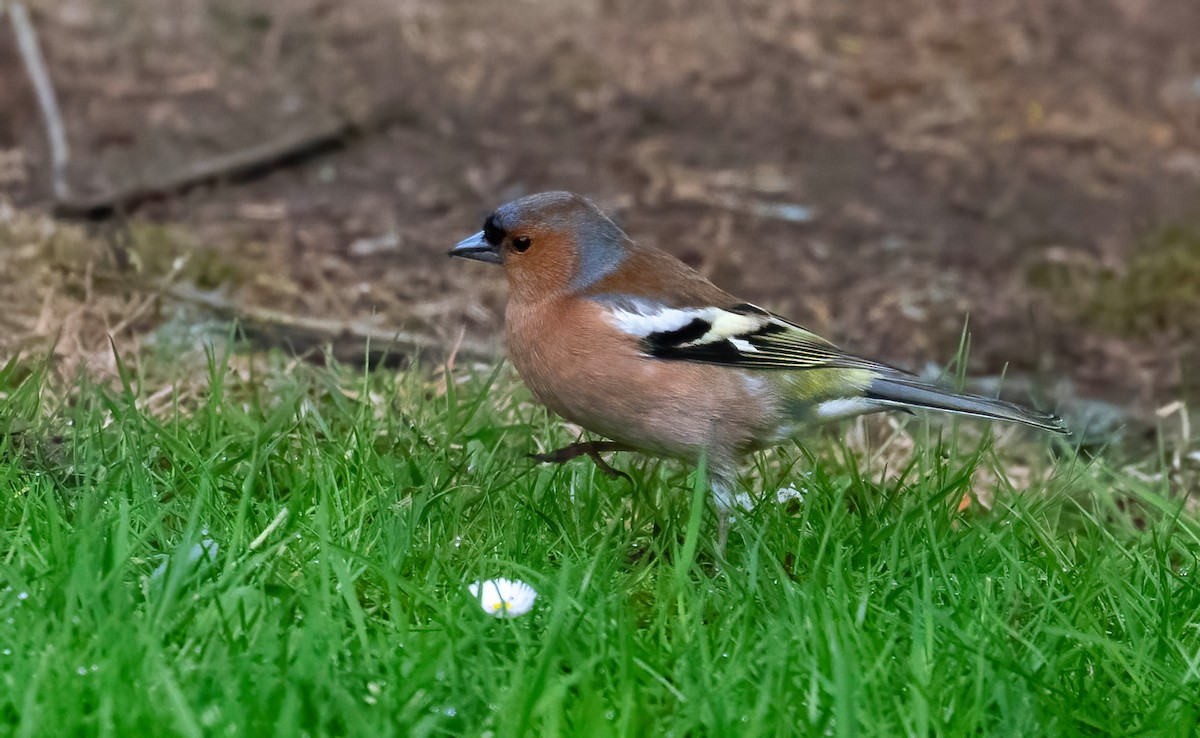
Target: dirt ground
x=878, y=171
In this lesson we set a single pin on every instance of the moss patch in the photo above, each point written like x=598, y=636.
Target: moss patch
x=1157, y=290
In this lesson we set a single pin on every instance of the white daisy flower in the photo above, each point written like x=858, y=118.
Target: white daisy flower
x=504, y=598
x=789, y=493
x=784, y=495
x=743, y=501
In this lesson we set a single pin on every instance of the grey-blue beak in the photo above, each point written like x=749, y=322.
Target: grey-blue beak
x=476, y=247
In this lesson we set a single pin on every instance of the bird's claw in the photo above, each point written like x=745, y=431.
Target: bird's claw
x=592, y=450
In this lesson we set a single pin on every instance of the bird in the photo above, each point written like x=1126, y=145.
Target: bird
x=633, y=345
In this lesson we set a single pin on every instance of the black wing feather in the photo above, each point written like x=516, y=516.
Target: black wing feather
x=774, y=343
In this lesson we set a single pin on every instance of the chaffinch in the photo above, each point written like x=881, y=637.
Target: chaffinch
x=632, y=344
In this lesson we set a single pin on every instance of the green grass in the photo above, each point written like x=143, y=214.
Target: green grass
x=140, y=596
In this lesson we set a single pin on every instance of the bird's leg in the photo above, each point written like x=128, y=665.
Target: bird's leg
x=592, y=450
x=722, y=485
x=722, y=531
x=605, y=467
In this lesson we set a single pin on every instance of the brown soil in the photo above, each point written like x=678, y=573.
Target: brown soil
x=877, y=171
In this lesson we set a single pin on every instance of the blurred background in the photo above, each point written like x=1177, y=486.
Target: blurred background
x=878, y=171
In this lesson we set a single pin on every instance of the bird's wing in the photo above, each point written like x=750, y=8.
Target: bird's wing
x=741, y=335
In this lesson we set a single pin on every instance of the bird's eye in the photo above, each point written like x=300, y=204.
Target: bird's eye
x=521, y=243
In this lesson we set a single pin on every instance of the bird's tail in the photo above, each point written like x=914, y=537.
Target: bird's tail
x=902, y=392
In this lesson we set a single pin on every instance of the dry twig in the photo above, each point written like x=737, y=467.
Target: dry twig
x=35, y=67
x=240, y=165
x=349, y=338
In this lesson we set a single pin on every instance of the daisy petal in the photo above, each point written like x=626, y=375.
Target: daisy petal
x=503, y=598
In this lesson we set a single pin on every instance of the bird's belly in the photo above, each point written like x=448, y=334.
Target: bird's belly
x=598, y=380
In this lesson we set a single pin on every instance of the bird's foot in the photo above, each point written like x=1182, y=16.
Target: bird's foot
x=592, y=450
x=723, y=520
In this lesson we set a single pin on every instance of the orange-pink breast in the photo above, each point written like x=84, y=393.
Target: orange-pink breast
x=583, y=368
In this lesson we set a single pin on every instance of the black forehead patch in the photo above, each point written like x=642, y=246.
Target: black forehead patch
x=492, y=232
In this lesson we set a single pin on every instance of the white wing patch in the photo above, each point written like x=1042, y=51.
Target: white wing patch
x=644, y=319
x=731, y=325
x=743, y=335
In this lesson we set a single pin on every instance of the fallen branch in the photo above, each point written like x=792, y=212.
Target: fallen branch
x=349, y=339
x=35, y=67
x=235, y=166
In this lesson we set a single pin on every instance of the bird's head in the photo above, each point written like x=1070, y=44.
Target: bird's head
x=549, y=244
